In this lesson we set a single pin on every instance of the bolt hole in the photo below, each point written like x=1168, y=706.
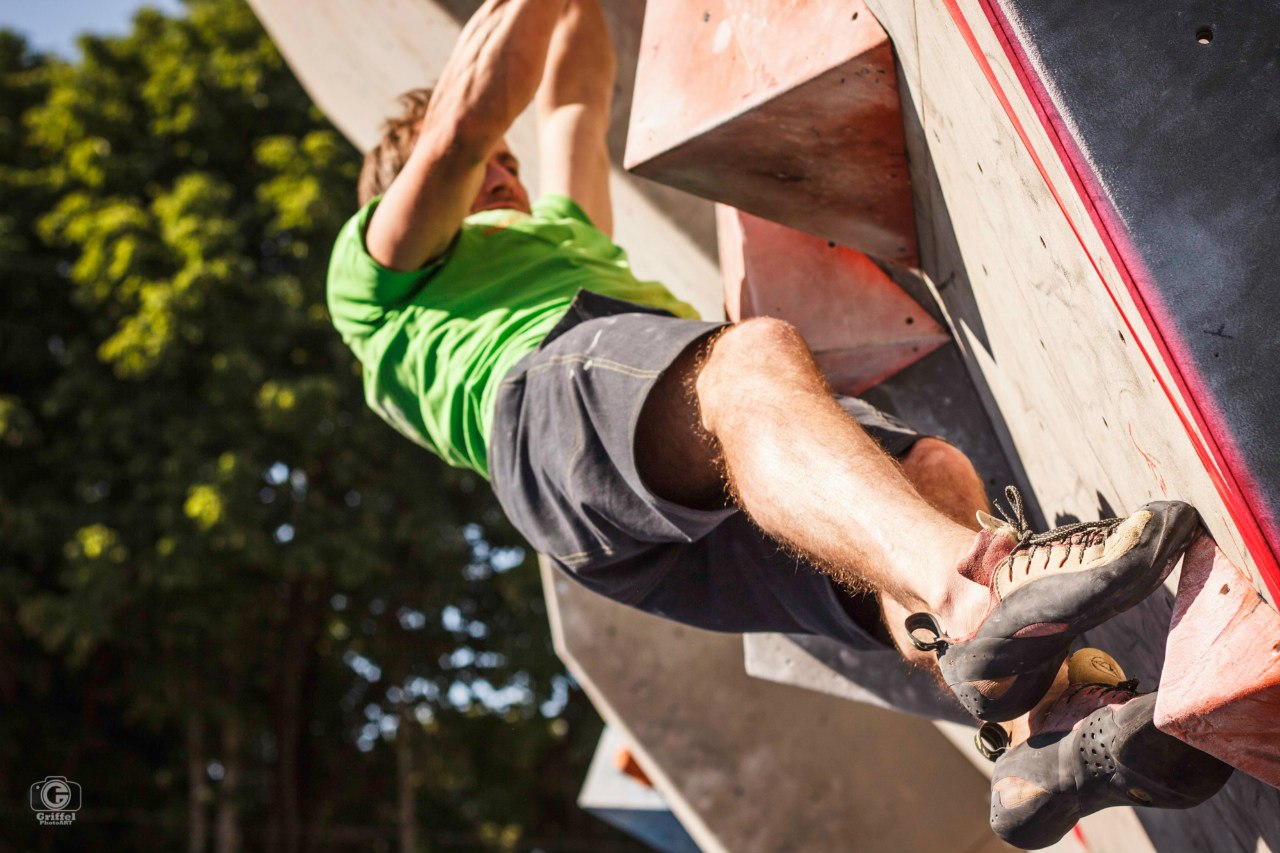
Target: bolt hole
x=855, y=17
x=910, y=320
x=1204, y=35
x=831, y=244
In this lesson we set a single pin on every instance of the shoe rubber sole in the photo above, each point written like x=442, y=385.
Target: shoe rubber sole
x=1115, y=756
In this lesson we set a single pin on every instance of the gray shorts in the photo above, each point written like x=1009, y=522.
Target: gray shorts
x=561, y=459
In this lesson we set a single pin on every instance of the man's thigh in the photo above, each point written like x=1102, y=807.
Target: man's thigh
x=676, y=458
x=679, y=460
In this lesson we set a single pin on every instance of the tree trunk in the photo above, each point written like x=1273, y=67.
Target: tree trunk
x=406, y=783
x=295, y=688
x=228, y=820
x=198, y=793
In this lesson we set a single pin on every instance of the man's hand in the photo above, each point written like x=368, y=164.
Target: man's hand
x=490, y=78
x=574, y=110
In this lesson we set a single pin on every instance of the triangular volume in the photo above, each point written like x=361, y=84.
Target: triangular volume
x=861, y=326
x=1220, y=686
x=788, y=111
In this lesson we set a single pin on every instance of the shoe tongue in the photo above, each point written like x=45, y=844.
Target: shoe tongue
x=1094, y=666
x=989, y=550
x=996, y=525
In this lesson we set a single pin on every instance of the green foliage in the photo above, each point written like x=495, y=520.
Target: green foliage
x=203, y=528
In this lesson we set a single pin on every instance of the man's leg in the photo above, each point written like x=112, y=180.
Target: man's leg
x=775, y=440
x=947, y=480
x=1011, y=601
x=761, y=415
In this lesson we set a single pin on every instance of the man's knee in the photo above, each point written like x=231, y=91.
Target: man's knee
x=750, y=344
x=945, y=477
x=934, y=459
x=762, y=349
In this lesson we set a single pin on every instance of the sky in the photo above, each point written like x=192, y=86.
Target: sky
x=52, y=25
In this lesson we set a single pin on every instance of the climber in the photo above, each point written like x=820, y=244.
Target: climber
x=701, y=471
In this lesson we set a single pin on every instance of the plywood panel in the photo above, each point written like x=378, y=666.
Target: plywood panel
x=1164, y=111
x=1024, y=293
x=1038, y=305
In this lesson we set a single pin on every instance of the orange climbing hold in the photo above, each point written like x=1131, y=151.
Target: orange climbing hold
x=626, y=763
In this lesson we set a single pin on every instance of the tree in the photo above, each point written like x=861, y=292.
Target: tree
x=227, y=569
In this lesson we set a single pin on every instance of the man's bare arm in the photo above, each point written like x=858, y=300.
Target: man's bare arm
x=573, y=111
x=490, y=78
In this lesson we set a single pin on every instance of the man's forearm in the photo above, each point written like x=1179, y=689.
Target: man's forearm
x=574, y=111
x=580, y=63
x=490, y=78
x=494, y=70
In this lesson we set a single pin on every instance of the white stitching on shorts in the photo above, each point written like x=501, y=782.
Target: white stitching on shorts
x=580, y=557
x=595, y=361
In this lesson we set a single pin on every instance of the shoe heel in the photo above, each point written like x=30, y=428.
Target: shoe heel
x=1023, y=694
x=1026, y=816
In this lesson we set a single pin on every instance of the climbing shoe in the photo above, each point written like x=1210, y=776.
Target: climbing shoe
x=1046, y=589
x=1096, y=746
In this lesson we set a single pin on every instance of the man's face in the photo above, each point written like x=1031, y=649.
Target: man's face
x=501, y=189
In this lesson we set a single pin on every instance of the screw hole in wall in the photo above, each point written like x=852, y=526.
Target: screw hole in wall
x=1204, y=35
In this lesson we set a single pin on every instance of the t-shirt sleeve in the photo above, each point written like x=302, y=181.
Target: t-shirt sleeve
x=362, y=291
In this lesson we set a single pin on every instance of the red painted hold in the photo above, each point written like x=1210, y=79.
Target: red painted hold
x=861, y=326
x=789, y=111
x=1220, y=688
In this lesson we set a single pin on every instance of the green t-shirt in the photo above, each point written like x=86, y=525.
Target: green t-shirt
x=435, y=343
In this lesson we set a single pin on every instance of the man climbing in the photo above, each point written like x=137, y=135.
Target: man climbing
x=662, y=461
